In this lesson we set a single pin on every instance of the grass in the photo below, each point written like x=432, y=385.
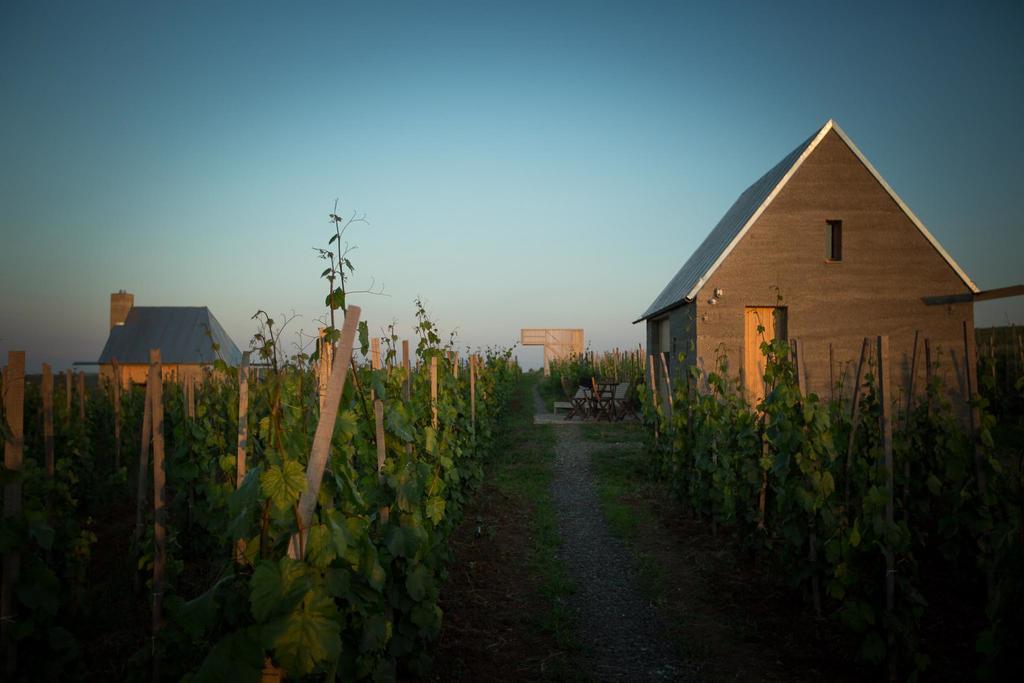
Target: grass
x=619, y=473
x=523, y=470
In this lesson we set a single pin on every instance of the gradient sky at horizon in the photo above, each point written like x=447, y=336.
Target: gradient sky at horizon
x=523, y=164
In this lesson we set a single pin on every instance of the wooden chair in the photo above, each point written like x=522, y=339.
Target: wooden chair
x=620, y=403
x=601, y=402
x=580, y=404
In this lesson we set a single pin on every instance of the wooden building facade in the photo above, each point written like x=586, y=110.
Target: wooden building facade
x=190, y=340
x=819, y=249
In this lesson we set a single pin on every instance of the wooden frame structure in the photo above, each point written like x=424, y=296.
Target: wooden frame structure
x=557, y=342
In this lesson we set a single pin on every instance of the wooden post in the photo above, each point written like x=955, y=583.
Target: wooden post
x=885, y=425
x=928, y=372
x=375, y=353
x=831, y=376
x=472, y=392
x=970, y=366
x=81, y=396
x=913, y=377
x=800, y=366
x=433, y=391
x=243, y=438
x=159, y=500
x=14, y=410
x=117, y=414
x=455, y=364
x=324, y=432
x=147, y=426
x=67, y=396
x=854, y=420
x=654, y=385
x=668, y=386
x=190, y=395
x=407, y=366
x=378, y=413
x=48, y=419
x=324, y=364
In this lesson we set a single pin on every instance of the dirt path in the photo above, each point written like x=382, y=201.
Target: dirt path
x=622, y=636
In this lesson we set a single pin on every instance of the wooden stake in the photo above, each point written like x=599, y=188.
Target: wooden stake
x=854, y=420
x=406, y=365
x=455, y=364
x=48, y=419
x=67, y=396
x=324, y=432
x=81, y=397
x=324, y=365
x=190, y=395
x=668, y=385
x=433, y=391
x=159, y=500
x=928, y=372
x=378, y=413
x=117, y=414
x=799, y=366
x=654, y=385
x=472, y=392
x=143, y=480
x=375, y=353
x=970, y=366
x=885, y=425
x=14, y=410
x=243, y=438
x=831, y=376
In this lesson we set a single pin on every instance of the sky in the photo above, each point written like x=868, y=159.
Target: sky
x=520, y=164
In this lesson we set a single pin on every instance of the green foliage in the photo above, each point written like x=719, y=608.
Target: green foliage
x=810, y=500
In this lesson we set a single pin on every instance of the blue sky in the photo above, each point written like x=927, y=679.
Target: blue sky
x=521, y=164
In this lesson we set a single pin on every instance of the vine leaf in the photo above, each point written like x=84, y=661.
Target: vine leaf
x=283, y=485
x=435, y=509
x=308, y=636
x=277, y=587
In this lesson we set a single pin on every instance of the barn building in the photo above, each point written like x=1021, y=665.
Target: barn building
x=189, y=338
x=819, y=249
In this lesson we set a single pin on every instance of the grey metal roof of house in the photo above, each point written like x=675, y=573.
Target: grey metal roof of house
x=738, y=219
x=718, y=240
x=184, y=334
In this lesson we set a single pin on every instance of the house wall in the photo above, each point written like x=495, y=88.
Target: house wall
x=681, y=335
x=137, y=373
x=887, y=267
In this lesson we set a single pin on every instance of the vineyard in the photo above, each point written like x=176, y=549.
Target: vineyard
x=892, y=518
x=286, y=518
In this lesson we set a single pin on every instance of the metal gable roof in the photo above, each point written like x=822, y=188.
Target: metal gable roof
x=184, y=334
x=748, y=208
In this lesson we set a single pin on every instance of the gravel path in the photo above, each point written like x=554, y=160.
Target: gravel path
x=621, y=633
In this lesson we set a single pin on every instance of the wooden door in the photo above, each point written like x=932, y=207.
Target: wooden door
x=760, y=324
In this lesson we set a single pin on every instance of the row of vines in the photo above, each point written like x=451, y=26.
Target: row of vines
x=294, y=542
x=888, y=529
x=361, y=602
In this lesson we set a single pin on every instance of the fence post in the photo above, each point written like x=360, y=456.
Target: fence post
x=854, y=421
x=147, y=433
x=14, y=412
x=885, y=425
x=117, y=414
x=81, y=396
x=324, y=432
x=970, y=366
x=67, y=396
x=159, y=501
x=472, y=392
x=243, y=434
x=48, y=419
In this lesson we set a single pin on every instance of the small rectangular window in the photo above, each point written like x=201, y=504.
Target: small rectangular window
x=833, y=240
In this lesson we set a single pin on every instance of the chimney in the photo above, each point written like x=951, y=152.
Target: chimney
x=120, y=303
